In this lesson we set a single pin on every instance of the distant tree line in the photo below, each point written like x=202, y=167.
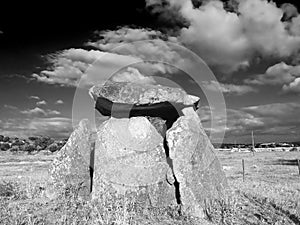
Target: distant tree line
x=257, y=145
x=31, y=144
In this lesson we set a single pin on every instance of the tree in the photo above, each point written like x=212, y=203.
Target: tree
x=1, y=137
x=6, y=139
x=29, y=148
x=43, y=142
x=53, y=147
x=14, y=149
x=4, y=146
x=33, y=138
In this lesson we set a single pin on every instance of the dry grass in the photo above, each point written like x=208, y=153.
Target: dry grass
x=28, y=205
x=269, y=195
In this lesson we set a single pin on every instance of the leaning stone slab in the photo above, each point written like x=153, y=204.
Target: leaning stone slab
x=130, y=160
x=70, y=170
x=195, y=164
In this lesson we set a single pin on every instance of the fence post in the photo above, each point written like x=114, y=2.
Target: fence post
x=243, y=165
x=298, y=160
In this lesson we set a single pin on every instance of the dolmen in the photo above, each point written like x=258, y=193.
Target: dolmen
x=152, y=148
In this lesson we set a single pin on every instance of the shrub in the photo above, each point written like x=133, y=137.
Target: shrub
x=29, y=148
x=4, y=146
x=14, y=149
x=43, y=142
x=6, y=139
x=53, y=147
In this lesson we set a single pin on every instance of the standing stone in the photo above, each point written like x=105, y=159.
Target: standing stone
x=70, y=171
x=130, y=160
x=195, y=164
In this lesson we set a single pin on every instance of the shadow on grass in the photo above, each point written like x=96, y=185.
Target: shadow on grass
x=284, y=162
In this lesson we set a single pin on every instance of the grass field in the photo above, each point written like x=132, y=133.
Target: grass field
x=270, y=194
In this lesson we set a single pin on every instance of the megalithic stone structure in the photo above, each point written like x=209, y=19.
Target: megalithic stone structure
x=161, y=146
x=152, y=148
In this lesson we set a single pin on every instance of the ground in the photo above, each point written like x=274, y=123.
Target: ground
x=269, y=194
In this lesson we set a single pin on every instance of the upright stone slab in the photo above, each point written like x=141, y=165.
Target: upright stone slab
x=70, y=170
x=130, y=160
x=195, y=164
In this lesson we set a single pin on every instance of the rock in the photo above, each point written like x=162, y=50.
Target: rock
x=159, y=124
x=130, y=160
x=123, y=92
x=70, y=170
x=195, y=164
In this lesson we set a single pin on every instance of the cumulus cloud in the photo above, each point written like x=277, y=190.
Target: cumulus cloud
x=39, y=112
x=110, y=39
x=279, y=74
x=133, y=75
x=267, y=121
x=34, y=111
x=228, y=88
x=34, y=97
x=43, y=102
x=148, y=45
x=59, y=101
x=231, y=40
x=12, y=107
x=73, y=67
x=293, y=87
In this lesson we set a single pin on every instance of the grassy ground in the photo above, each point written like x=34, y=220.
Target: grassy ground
x=270, y=194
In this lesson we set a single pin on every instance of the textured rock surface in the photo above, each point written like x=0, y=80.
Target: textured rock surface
x=130, y=158
x=195, y=165
x=71, y=168
x=141, y=93
x=159, y=124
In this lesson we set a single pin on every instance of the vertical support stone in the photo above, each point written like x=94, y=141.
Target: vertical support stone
x=195, y=164
x=70, y=170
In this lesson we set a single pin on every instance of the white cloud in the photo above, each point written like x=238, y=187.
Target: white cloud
x=59, y=101
x=34, y=97
x=12, y=107
x=275, y=109
x=293, y=87
x=35, y=111
x=132, y=75
x=231, y=40
x=43, y=102
x=279, y=74
x=228, y=88
x=265, y=120
x=39, y=112
x=148, y=45
x=113, y=38
x=53, y=112
x=56, y=127
x=72, y=67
